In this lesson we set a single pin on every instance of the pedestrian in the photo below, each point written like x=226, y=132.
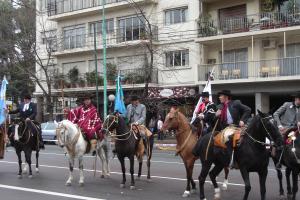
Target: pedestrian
x=152, y=124
x=160, y=134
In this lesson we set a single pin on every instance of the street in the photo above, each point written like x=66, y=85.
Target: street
x=168, y=180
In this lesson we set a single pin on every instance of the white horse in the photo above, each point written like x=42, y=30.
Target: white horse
x=70, y=138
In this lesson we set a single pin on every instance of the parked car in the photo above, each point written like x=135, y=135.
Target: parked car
x=49, y=132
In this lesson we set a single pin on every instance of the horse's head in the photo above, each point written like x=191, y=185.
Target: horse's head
x=61, y=134
x=270, y=128
x=110, y=123
x=172, y=120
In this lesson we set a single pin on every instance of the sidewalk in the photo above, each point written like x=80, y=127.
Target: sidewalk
x=166, y=144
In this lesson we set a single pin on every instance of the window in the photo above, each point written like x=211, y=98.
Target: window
x=131, y=28
x=50, y=40
x=177, y=58
x=74, y=37
x=109, y=27
x=175, y=16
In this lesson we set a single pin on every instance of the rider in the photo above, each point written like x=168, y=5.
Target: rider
x=87, y=118
x=231, y=112
x=136, y=112
x=288, y=117
x=206, y=112
x=27, y=112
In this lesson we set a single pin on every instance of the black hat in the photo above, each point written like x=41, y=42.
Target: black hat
x=225, y=92
x=134, y=98
x=296, y=95
x=27, y=96
x=205, y=94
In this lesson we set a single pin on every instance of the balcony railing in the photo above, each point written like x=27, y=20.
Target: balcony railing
x=115, y=37
x=129, y=77
x=248, y=23
x=64, y=6
x=252, y=69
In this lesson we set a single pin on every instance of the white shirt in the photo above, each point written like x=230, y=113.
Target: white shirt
x=229, y=117
x=159, y=124
x=26, y=107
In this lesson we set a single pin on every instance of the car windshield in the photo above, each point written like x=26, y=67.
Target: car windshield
x=48, y=126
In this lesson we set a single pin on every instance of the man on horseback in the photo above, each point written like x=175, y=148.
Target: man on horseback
x=87, y=118
x=136, y=112
x=206, y=112
x=288, y=118
x=231, y=113
x=27, y=112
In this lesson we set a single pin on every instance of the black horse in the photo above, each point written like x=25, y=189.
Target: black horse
x=126, y=145
x=251, y=154
x=27, y=140
x=290, y=157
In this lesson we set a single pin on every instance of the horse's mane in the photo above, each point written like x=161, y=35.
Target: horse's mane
x=122, y=127
x=70, y=124
x=253, y=123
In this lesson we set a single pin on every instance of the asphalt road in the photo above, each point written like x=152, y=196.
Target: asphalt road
x=168, y=180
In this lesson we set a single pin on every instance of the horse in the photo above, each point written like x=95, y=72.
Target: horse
x=186, y=140
x=127, y=143
x=251, y=154
x=70, y=137
x=25, y=137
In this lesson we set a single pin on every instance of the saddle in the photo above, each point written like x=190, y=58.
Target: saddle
x=224, y=136
x=144, y=133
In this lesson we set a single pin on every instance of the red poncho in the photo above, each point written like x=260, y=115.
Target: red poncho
x=87, y=119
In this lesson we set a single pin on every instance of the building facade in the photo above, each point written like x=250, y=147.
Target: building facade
x=67, y=28
x=253, y=48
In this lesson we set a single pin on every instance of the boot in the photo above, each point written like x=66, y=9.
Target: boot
x=93, y=146
x=232, y=164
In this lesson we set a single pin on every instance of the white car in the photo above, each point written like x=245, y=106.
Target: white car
x=49, y=132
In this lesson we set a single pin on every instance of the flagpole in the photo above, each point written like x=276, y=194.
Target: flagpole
x=104, y=59
x=96, y=66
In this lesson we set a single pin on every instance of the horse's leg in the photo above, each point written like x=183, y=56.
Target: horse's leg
x=121, y=159
x=102, y=156
x=213, y=174
x=37, y=162
x=288, y=172
x=202, y=177
x=245, y=175
x=281, y=190
x=295, y=173
x=71, y=168
x=28, y=153
x=131, y=159
x=18, y=152
x=81, y=179
x=225, y=183
x=149, y=155
x=262, y=181
x=189, y=167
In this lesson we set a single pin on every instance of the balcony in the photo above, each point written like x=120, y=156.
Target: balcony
x=114, y=39
x=130, y=78
x=61, y=9
x=277, y=69
x=249, y=23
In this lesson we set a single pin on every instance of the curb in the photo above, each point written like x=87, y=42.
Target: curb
x=165, y=147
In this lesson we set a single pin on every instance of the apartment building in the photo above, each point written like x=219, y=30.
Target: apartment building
x=67, y=26
x=252, y=47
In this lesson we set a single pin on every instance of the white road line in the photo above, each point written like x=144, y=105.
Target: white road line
x=47, y=192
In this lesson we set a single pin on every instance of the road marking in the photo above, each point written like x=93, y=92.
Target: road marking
x=47, y=192
x=119, y=173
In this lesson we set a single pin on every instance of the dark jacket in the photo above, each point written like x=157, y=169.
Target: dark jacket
x=30, y=113
x=209, y=114
x=238, y=111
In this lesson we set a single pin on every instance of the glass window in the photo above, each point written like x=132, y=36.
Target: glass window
x=177, y=58
x=74, y=37
x=132, y=28
x=109, y=27
x=175, y=16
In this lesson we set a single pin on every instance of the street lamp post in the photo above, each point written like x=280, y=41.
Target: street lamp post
x=104, y=59
x=111, y=99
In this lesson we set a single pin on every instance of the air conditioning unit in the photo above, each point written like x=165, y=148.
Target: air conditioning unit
x=269, y=44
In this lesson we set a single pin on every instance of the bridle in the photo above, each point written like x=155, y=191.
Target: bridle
x=59, y=135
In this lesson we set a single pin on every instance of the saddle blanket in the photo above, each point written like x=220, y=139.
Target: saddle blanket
x=222, y=137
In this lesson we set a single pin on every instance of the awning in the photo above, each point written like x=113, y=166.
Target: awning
x=176, y=92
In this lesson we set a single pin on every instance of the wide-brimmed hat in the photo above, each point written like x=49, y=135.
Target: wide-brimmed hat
x=205, y=94
x=296, y=94
x=225, y=92
x=134, y=98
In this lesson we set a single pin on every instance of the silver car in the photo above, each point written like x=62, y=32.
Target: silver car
x=49, y=132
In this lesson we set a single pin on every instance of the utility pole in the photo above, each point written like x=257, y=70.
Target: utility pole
x=96, y=66
x=104, y=59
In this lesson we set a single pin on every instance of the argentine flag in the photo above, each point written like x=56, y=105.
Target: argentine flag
x=3, y=101
x=119, y=101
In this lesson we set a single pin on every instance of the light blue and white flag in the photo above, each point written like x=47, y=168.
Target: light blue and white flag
x=3, y=101
x=119, y=101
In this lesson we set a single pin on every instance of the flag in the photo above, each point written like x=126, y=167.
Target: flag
x=119, y=100
x=207, y=88
x=3, y=101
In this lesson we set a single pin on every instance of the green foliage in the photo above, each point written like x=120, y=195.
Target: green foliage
x=111, y=72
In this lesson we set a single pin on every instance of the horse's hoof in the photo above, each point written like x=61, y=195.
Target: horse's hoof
x=132, y=187
x=68, y=183
x=24, y=172
x=37, y=170
x=30, y=176
x=122, y=185
x=282, y=197
x=102, y=176
x=20, y=176
x=217, y=195
x=224, y=187
x=186, y=194
x=81, y=184
x=149, y=180
x=193, y=191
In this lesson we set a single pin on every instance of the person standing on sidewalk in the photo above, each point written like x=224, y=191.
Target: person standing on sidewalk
x=160, y=134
